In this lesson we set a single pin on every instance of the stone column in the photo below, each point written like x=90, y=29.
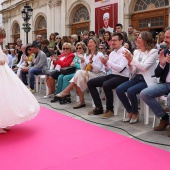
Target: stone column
x=127, y=21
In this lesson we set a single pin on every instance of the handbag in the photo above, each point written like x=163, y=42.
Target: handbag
x=51, y=72
x=68, y=70
x=88, y=67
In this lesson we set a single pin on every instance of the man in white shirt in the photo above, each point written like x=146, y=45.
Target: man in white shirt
x=118, y=64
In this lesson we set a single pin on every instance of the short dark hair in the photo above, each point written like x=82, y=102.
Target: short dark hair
x=91, y=32
x=26, y=50
x=34, y=46
x=119, y=25
x=120, y=36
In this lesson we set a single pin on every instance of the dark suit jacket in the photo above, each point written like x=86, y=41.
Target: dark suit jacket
x=162, y=73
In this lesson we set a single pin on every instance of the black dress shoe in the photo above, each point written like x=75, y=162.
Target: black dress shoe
x=55, y=99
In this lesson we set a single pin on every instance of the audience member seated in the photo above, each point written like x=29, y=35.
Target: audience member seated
x=163, y=88
x=58, y=46
x=17, y=69
x=64, y=60
x=142, y=66
x=39, y=67
x=52, y=42
x=120, y=73
x=63, y=80
x=91, y=67
x=10, y=58
x=45, y=49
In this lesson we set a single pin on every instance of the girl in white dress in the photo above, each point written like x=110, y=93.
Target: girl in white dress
x=17, y=103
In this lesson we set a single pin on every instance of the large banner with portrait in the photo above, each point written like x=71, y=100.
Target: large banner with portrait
x=106, y=15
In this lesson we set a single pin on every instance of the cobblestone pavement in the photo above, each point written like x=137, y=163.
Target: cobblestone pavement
x=139, y=130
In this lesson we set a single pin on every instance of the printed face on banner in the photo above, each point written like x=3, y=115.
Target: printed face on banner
x=105, y=15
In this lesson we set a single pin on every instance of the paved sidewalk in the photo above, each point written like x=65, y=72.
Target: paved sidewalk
x=139, y=130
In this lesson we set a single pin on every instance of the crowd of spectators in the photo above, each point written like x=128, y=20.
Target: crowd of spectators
x=129, y=62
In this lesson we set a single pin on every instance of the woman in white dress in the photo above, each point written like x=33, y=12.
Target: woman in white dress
x=17, y=103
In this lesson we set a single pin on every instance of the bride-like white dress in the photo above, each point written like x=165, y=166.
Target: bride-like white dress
x=17, y=103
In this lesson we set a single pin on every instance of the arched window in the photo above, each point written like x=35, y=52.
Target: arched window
x=81, y=15
x=150, y=4
x=42, y=23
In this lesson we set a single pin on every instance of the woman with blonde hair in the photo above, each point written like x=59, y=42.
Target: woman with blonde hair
x=64, y=60
x=63, y=80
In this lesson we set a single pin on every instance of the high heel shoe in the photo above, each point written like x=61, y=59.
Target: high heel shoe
x=62, y=94
x=128, y=118
x=132, y=121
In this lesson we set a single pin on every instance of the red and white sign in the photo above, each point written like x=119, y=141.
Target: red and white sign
x=106, y=15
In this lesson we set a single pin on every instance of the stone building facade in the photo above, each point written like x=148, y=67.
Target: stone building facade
x=74, y=16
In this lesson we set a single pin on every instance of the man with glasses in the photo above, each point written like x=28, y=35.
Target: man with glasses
x=120, y=73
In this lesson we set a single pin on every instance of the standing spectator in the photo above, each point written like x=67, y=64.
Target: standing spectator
x=119, y=28
x=130, y=33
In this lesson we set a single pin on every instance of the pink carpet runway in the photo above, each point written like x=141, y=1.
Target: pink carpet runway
x=53, y=141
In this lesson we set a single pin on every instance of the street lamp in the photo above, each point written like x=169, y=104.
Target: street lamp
x=26, y=15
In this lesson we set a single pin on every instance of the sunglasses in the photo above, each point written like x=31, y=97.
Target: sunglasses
x=58, y=38
x=101, y=48
x=65, y=48
x=78, y=48
x=29, y=49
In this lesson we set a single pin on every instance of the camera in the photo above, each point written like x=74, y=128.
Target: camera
x=163, y=46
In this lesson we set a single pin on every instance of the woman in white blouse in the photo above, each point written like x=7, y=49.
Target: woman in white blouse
x=91, y=67
x=142, y=65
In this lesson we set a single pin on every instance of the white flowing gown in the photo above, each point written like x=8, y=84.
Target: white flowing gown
x=17, y=103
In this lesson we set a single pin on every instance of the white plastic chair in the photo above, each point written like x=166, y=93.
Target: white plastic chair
x=41, y=79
